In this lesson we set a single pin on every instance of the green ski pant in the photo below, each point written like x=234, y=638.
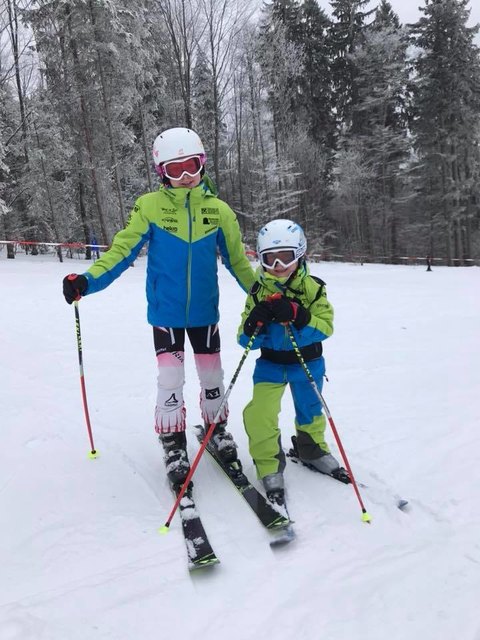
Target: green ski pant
x=260, y=418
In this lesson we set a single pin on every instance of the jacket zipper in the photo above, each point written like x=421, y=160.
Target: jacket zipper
x=189, y=262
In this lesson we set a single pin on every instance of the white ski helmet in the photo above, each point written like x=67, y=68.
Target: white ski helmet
x=282, y=234
x=178, y=142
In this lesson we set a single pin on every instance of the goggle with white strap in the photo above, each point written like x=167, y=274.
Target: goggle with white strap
x=176, y=169
x=285, y=257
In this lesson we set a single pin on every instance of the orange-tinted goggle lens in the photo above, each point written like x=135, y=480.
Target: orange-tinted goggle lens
x=176, y=169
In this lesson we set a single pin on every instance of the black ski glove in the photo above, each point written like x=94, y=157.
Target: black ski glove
x=261, y=313
x=74, y=286
x=302, y=317
x=286, y=310
x=283, y=308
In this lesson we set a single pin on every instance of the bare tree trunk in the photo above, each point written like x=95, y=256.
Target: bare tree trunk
x=72, y=118
x=216, y=116
x=238, y=106
x=108, y=120
x=277, y=146
x=13, y=32
x=257, y=131
x=53, y=220
x=467, y=235
x=8, y=236
x=22, y=195
x=146, y=148
x=83, y=213
x=181, y=28
x=87, y=130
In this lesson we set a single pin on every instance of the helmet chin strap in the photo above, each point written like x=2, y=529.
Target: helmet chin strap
x=285, y=286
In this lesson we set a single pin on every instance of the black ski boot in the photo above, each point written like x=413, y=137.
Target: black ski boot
x=275, y=488
x=224, y=443
x=176, y=457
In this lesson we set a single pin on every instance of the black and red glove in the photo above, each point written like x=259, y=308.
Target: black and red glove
x=260, y=314
x=286, y=310
x=74, y=286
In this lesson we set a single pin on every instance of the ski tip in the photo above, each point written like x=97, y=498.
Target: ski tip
x=204, y=564
x=283, y=536
x=165, y=529
x=366, y=517
x=93, y=454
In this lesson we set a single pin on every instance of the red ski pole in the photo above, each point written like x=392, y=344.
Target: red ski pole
x=93, y=452
x=365, y=515
x=210, y=431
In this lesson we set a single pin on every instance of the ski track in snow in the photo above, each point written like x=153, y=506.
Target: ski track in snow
x=81, y=557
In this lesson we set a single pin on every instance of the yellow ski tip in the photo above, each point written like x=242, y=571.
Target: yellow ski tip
x=93, y=454
x=366, y=517
x=163, y=530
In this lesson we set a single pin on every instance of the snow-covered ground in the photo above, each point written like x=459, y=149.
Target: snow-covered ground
x=80, y=553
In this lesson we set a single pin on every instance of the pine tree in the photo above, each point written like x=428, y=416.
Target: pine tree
x=381, y=123
x=251, y=158
x=92, y=60
x=316, y=78
x=281, y=61
x=385, y=17
x=315, y=156
x=202, y=102
x=6, y=135
x=281, y=56
x=294, y=55
x=446, y=123
x=348, y=26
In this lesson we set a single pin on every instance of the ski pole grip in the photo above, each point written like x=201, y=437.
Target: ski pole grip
x=273, y=296
x=73, y=276
x=277, y=296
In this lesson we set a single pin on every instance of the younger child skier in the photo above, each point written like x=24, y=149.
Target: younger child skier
x=285, y=293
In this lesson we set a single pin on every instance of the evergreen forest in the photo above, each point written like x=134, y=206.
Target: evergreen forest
x=364, y=130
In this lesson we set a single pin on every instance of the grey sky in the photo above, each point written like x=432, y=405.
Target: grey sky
x=407, y=10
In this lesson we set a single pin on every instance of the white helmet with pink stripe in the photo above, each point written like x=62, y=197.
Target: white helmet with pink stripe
x=178, y=142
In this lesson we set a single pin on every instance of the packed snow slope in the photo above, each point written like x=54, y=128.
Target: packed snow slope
x=80, y=553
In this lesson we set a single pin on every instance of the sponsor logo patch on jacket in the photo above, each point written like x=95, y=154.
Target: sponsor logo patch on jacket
x=210, y=215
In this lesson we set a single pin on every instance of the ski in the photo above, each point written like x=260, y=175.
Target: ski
x=199, y=550
x=339, y=474
x=275, y=519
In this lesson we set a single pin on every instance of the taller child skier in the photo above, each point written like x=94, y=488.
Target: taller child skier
x=185, y=225
x=285, y=293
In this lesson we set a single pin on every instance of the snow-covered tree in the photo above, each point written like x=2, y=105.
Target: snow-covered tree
x=446, y=124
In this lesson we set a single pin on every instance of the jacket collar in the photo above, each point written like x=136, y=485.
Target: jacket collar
x=295, y=285
x=179, y=194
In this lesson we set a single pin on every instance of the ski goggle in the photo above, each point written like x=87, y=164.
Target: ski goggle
x=176, y=169
x=285, y=257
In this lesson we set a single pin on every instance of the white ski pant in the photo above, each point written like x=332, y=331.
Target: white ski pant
x=170, y=412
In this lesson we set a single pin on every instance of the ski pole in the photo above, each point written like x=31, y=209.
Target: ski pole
x=365, y=515
x=93, y=453
x=210, y=431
